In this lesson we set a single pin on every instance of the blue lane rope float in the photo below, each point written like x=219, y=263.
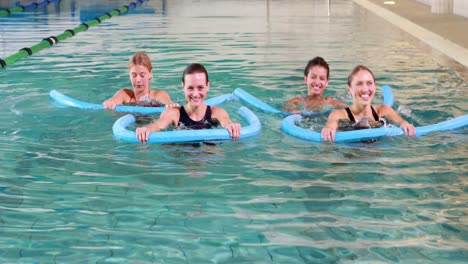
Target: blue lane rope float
x=288, y=125
x=61, y=100
x=252, y=100
x=52, y=40
x=121, y=132
x=22, y=8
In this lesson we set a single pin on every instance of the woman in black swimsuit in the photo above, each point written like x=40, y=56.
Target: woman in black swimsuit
x=195, y=114
x=361, y=87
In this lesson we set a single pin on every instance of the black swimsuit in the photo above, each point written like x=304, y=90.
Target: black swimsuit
x=351, y=117
x=206, y=122
x=353, y=121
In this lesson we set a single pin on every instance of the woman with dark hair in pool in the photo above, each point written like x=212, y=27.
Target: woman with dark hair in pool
x=316, y=75
x=195, y=114
x=141, y=73
x=361, y=114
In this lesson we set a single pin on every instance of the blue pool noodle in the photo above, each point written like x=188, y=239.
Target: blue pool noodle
x=63, y=100
x=121, y=132
x=252, y=100
x=288, y=125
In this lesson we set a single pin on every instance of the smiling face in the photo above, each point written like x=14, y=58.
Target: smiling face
x=195, y=88
x=140, y=77
x=361, y=87
x=316, y=80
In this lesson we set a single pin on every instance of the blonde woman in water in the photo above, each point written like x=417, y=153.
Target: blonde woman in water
x=140, y=70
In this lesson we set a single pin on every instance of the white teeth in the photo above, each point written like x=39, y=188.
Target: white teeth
x=365, y=96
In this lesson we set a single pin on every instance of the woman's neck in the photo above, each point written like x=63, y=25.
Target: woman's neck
x=360, y=111
x=315, y=96
x=195, y=112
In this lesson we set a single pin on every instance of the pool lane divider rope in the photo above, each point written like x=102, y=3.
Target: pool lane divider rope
x=53, y=40
x=22, y=8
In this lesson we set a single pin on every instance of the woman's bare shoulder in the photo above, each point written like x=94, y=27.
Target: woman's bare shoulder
x=338, y=114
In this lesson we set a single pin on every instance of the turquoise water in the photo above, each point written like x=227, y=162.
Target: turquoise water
x=71, y=193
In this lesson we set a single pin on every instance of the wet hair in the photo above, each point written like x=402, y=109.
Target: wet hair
x=356, y=70
x=140, y=58
x=317, y=61
x=195, y=68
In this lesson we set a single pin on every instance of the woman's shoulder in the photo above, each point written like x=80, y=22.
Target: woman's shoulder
x=125, y=92
x=172, y=112
x=216, y=110
x=173, y=109
x=158, y=92
x=297, y=97
x=383, y=109
x=336, y=103
x=161, y=96
x=329, y=98
x=338, y=114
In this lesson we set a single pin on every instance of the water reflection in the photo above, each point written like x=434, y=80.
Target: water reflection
x=70, y=191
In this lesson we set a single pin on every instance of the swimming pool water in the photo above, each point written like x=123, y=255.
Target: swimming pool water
x=71, y=193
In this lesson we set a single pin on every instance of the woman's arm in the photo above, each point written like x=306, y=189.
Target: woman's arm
x=393, y=116
x=168, y=117
x=222, y=116
x=292, y=104
x=329, y=131
x=119, y=98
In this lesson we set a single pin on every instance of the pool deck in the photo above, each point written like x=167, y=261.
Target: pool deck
x=444, y=33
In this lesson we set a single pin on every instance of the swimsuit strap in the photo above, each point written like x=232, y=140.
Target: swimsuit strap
x=205, y=122
x=183, y=114
x=374, y=114
x=184, y=118
x=350, y=115
x=206, y=117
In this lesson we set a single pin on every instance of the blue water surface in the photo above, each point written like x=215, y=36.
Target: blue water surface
x=71, y=193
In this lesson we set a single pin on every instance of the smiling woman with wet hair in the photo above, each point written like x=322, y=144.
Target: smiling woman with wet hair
x=361, y=87
x=195, y=114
